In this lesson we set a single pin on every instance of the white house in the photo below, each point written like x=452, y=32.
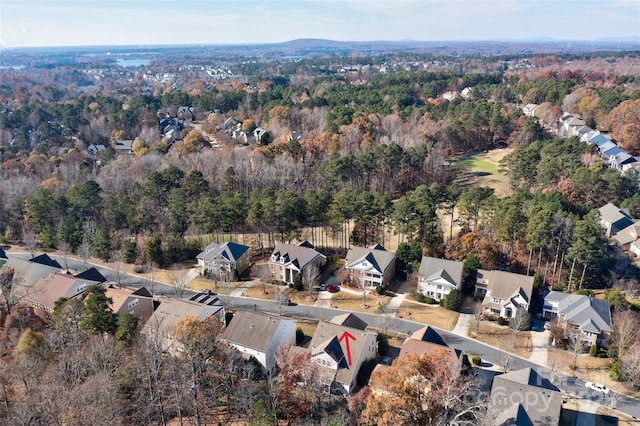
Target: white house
x=287, y=260
x=370, y=267
x=258, y=335
x=437, y=277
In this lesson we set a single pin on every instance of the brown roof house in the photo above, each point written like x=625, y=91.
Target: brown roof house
x=370, y=267
x=437, y=277
x=523, y=397
x=258, y=335
x=51, y=288
x=138, y=303
x=162, y=324
x=287, y=260
x=503, y=293
x=341, y=350
x=427, y=340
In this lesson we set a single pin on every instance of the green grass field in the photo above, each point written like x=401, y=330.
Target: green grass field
x=476, y=164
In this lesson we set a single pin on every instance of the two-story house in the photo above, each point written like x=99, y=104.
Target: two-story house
x=340, y=351
x=370, y=267
x=503, y=293
x=138, y=303
x=437, y=277
x=287, y=260
x=258, y=335
x=579, y=315
x=223, y=259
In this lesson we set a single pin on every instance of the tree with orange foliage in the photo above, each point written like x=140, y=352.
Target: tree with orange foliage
x=426, y=390
x=625, y=126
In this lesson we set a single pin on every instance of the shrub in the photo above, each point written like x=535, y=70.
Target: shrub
x=430, y=300
x=612, y=352
x=380, y=289
x=476, y=360
x=502, y=321
x=140, y=269
x=614, y=371
x=593, y=350
x=420, y=297
x=453, y=301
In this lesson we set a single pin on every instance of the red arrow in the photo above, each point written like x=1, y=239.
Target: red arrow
x=346, y=336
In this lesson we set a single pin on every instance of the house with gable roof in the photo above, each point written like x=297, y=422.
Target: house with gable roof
x=138, y=303
x=222, y=259
x=49, y=289
x=579, y=315
x=503, y=293
x=523, y=397
x=437, y=277
x=340, y=351
x=530, y=109
x=164, y=321
x=427, y=340
x=258, y=335
x=614, y=219
x=370, y=267
x=287, y=260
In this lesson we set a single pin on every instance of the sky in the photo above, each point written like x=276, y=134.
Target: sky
x=147, y=22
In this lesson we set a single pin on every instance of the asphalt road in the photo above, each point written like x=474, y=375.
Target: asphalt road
x=490, y=355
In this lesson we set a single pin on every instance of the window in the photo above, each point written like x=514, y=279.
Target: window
x=133, y=304
x=497, y=300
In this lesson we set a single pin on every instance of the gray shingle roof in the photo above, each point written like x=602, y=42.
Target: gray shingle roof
x=591, y=315
x=299, y=255
x=450, y=270
x=505, y=285
x=252, y=330
x=380, y=259
x=230, y=251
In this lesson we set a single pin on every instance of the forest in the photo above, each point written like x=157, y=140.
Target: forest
x=374, y=158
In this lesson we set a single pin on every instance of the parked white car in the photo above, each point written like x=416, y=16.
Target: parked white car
x=597, y=387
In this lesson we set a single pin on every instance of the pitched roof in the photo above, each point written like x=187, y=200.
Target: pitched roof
x=450, y=270
x=350, y=320
x=28, y=273
x=428, y=334
x=44, y=259
x=506, y=285
x=252, y=329
x=229, y=250
x=327, y=331
x=298, y=255
x=92, y=274
x=617, y=217
x=427, y=340
x=590, y=314
x=524, y=397
x=172, y=311
x=380, y=259
x=52, y=287
x=3, y=255
x=142, y=291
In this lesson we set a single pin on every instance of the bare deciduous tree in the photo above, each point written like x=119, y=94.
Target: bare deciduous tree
x=178, y=277
x=625, y=331
x=310, y=277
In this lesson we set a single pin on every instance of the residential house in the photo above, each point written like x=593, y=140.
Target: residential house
x=530, y=110
x=349, y=320
x=123, y=147
x=450, y=95
x=340, y=351
x=294, y=136
x=503, y=293
x=288, y=260
x=186, y=113
x=589, y=136
x=138, y=303
x=619, y=160
x=628, y=235
x=580, y=131
x=427, y=340
x=613, y=151
x=579, y=315
x=467, y=93
x=634, y=247
x=164, y=321
x=95, y=149
x=614, y=219
x=437, y=277
x=49, y=289
x=258, y=133
x=224, y=260
x=370, y=267
x=523, y=397
x=26, y=273
x=258, y=335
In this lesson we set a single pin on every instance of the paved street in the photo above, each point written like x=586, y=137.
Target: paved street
x=493, y=356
